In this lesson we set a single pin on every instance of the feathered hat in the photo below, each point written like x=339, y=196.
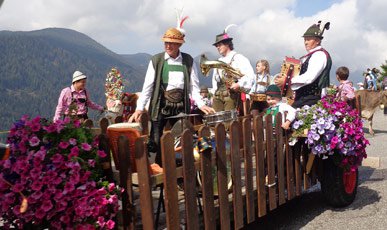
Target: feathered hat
x=315, y=31
x=223, y=36
x=176, y=35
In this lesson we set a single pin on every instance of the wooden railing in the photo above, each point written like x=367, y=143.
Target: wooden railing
x=266, y=172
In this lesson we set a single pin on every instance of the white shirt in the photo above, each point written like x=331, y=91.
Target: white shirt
x=175, y=80
x=240, y=63
x=291, y=112
x=317, y=63
x=257, y=88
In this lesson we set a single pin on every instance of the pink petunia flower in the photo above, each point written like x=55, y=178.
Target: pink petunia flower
x=86, y=146
x=63, y=145
x=101, y=153
x=72, y=141
x=34, y=141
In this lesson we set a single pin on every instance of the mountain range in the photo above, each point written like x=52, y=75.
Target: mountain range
x=36, y=65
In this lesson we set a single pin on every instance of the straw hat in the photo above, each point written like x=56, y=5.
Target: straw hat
x=173, y=35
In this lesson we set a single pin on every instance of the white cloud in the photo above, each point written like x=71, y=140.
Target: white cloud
x=266, y=29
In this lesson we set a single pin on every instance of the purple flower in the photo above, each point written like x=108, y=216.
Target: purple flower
x=74, y=152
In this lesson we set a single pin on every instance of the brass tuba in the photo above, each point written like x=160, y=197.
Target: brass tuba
x=230, y=74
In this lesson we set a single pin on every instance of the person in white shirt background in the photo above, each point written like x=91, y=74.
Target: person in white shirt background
x=226, y=97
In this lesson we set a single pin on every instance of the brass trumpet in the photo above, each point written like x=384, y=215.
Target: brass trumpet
x=230, y=72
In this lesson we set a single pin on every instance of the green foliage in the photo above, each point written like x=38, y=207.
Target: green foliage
x=35, y=66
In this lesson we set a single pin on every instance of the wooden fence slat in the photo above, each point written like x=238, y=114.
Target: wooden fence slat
x=170, y=183
x=236, y=174
x=280, y=159
x=270, y=156
x=221, y=165
x=207, y=184
x=189, y=174
x=126, y=182
x=305, y=155
x=297, y=166
x=144, y=183
x=250, y=207
x=106, y=161
x=289, y=168
x=260, y=165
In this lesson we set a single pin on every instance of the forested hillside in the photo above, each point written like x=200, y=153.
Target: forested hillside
x=36, y=65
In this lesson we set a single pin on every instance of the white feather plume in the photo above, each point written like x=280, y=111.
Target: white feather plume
x=180, y=19
x=228, y=27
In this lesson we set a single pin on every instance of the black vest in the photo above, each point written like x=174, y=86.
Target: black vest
x=320, y=82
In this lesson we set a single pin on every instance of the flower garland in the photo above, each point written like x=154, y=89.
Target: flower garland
x=51, y=178
x=333, y=129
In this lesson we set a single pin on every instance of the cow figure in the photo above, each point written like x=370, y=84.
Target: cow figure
x=370, y=101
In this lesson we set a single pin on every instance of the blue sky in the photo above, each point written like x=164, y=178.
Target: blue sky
x=307, y=8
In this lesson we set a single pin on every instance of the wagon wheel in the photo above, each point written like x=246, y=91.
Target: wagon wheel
x=338, y=186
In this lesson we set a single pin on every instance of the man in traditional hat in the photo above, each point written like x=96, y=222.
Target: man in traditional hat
x=310, y=85
x=170, y=78
x=74, y=101
x=226, y=96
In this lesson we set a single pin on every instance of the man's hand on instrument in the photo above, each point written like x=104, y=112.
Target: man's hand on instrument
x=207, y=109
x=136, y=116
x=235, y=86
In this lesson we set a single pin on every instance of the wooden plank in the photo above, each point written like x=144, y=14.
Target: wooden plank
x=125, y=182
x=189, y=172
x=236, y=174
x=106, y=161
x=221, y=165
x=289, y=168
x=297, y=166
x=270, y=155
x=250, y=207
x=305, y=153
x=103, y=123
x=170, y=184
x=280, y=159
x=144, y=120
x=207, y=184
x=144, y=183
x=260, y=165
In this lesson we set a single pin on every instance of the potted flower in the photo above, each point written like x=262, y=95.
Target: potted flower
x=334, y=132
x=52, y=179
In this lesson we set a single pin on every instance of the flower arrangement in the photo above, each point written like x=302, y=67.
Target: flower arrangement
x=52, y=178
x=333, y=129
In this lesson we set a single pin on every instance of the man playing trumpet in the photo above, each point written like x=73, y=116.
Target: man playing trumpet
x=226, y=94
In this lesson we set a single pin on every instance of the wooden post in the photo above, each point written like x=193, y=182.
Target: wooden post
x=221, y=165
x=260, y=165
x=144, y=183
x=189, y=174
x=170, y=183
x=250, y=207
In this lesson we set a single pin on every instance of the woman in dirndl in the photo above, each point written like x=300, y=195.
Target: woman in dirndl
x=257, y=92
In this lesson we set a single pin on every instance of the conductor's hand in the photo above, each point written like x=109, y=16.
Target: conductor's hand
x=206, y=109
x=136, y=116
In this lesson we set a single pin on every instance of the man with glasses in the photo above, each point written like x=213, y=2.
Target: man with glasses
x=74, y=101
